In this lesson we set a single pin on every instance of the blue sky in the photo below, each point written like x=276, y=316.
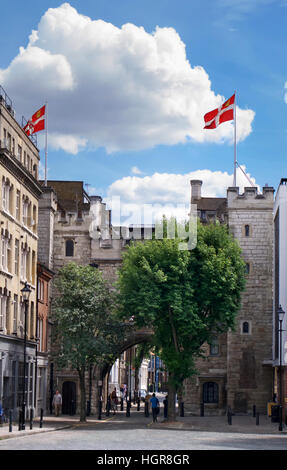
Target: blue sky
x=132, y=137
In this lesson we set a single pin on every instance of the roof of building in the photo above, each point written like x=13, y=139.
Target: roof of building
x=71, y=195
x=211, y=203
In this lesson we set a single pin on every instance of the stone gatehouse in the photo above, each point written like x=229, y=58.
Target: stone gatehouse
x=237, y=370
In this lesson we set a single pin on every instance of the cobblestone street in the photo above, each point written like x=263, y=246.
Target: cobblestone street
x=137, y=432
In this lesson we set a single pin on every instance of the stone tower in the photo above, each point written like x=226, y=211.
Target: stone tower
x=237, y=369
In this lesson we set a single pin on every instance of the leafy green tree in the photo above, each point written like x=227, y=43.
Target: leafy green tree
x=187, y=297
x=85, y=331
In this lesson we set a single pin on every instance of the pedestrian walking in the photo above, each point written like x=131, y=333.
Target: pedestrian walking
x=57, y=402
x=114, y=401
x=154, y=407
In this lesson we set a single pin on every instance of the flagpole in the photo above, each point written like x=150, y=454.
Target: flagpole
x=235, y=161
x=46, y=142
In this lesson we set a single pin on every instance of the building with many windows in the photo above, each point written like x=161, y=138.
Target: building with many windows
x=19, y=193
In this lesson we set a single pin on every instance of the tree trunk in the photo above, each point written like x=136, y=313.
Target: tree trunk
x=171, y=412
x=82, y=376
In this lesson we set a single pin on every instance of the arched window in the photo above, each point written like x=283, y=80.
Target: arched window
x=245, y=327
x=247, y=268
x=214, y=347
x=69, y=247
x=210, y=392
x=247, y=230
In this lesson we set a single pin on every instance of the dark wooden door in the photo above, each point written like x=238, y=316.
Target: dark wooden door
x=69, y=398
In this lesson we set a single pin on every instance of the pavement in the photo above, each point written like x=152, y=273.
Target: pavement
x=240, y=424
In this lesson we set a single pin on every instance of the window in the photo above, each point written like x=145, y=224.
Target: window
x=41, y=290
x=69, y=247
x=3, y=310
x=23, y=263
x=15, y=314
x=9, y=142
x=245, y=327
x=40, y=334
x=5, y=138
x=32, y=321
x=247, y=230
x=18, y=204
x=210, y=392
x=33, y=268
x=16, y=261
x=214, y=347
x=5, y=253
x=34, y=219
x=20, y=153
x=5, y=195
x=247, y=268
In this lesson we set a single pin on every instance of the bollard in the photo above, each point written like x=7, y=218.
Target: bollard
x=128, y=413
x=181, y=409
x=122, y=404
x=41, y=417
x=229, y=416
x=146, y=410
x=20, y=421
x=201, y=409
x=31, y=418
x=100, y=409
x=165, y=410
x=254, y=411
x=139, y=404
x=108, y=407
x=10, y=420
x=257, y=419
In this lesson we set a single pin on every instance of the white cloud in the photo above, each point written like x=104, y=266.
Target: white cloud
x=136, y=171
x=168, y=193
x=118, y=88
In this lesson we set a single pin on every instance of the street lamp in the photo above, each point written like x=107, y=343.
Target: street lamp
x=26, y=291
x=280, y=313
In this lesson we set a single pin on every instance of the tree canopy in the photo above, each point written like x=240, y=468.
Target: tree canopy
x=187, y=297
x=85, y=330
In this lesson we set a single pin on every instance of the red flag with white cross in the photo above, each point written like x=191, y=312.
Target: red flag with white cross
x=37, y=122
x=222, y=114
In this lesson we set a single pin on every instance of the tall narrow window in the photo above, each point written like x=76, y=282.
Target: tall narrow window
x=3, y=309
x=15, y=314
x=69, y=247
x=210, y=392
x=16, y=260
x=18, y=204
x=214, y=347
x=247, y=268
x=20, y=154
x=23, y=264
x=247, y=230
x=32, y=321
x=245, y=327
x=5, y=195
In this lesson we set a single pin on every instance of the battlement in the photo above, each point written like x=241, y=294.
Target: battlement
x=250, y=197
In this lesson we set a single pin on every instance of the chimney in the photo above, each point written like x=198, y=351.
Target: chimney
x=195, y=189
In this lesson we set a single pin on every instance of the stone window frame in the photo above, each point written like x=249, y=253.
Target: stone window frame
x=214, y=343
x=69, y=239
x=206, y=393
x=250, y=271
x=249, y=333
x=244, y=230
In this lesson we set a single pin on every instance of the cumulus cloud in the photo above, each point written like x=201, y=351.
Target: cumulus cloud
x=118, y=88
x=136, y=171
x=166, y=193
